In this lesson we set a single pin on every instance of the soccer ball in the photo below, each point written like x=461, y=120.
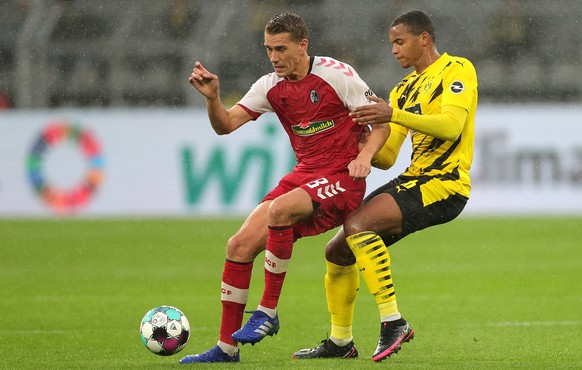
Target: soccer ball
x=164, y=330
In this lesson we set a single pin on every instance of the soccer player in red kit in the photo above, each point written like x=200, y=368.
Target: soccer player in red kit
x=312, y=97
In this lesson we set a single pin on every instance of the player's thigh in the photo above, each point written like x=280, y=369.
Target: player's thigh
x=251, y=237
x=333, y=198
x=380, y=214
x=426, y=202
x=290, y=208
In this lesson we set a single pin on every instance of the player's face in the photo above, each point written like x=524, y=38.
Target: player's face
x=406, y=47
x=285, y=54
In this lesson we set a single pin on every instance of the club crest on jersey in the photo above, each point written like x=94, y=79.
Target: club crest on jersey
x=307, y=128
x=428, y=86
x=457, y=87
x=314, y=96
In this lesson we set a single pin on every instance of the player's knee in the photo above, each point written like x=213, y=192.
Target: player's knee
x=338, y=252
x=242, y=249
x=354, y=225
x=281, y=213
x=276, y=212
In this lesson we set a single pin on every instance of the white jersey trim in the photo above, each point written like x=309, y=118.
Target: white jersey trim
x=342, y=77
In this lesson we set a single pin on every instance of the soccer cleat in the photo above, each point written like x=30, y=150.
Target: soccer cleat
x=259, y=326
x=392, y=335
x=215, y=354
x=328, y=349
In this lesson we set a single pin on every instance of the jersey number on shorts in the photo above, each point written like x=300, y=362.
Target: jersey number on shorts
x=407, y=185
x=324, y=188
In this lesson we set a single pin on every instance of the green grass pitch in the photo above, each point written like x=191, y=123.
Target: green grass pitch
x=481, y=293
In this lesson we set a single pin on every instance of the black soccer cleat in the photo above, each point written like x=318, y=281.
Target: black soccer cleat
x=392, y=335
x=328, y=349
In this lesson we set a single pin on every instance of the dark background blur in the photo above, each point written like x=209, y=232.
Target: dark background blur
x=87, y=53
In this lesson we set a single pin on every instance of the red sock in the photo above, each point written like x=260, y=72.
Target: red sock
x=277, y=257
x=236, y=279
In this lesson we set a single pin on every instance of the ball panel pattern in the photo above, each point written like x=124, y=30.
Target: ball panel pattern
x=164, y=330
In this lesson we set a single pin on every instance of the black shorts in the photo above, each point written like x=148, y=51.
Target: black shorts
x=423, y=201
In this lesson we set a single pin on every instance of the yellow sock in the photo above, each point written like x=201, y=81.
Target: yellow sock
x=341, y=286
x=389, y=311
x=373, y=260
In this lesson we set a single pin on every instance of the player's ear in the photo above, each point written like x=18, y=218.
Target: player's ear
x=424, y=39
x=304, y=44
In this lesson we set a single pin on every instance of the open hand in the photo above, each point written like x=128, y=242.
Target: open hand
x=370, y=114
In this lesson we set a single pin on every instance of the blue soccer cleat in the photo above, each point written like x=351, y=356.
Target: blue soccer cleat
x=215, y=354
x=259, y=326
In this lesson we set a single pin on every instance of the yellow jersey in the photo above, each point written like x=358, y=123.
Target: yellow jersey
x=452, y=81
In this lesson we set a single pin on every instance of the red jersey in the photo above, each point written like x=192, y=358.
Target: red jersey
x=314, y=112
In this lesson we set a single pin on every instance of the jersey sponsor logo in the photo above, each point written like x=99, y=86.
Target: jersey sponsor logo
x=457, y=87
x=307, y=128
x=314, y=97
x=416, y=109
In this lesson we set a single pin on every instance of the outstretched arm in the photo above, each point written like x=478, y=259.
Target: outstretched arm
x=446, y=125
x=223, y=121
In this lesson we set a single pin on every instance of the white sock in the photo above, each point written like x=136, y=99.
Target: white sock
x=393, y=317
x=227, y=348
x=341, y=342
x=272, y=312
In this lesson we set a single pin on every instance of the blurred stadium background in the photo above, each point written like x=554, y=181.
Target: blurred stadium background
x=85, y=53
x=104, y=67
x=97, y=120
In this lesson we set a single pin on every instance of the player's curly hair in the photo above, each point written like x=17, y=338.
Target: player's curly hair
x=416, y=22
x=287, y=22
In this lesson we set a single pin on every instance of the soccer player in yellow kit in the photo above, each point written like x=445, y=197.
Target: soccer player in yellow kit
x=436, y=105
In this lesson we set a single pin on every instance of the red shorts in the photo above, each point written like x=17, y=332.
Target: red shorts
x=334, y=197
